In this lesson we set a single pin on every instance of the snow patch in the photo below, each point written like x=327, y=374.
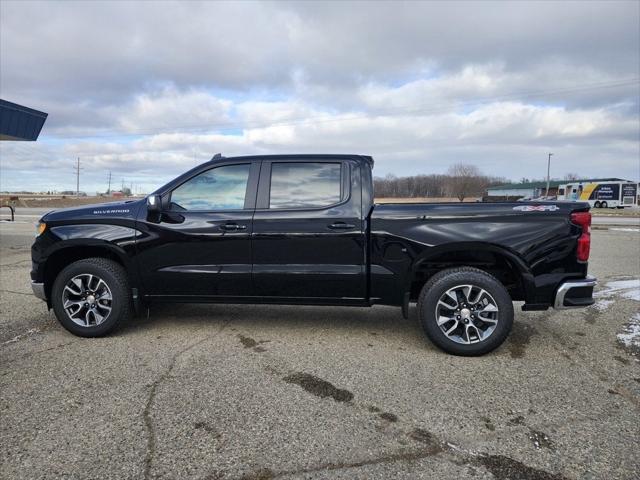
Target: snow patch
x=603, y=305
x=625, y=288
x=630, y=336
x=632, y=294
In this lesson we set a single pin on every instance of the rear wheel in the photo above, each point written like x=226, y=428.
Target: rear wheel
x=596, y=205
x=604, y=205
x=465, y=311
x=91, y=297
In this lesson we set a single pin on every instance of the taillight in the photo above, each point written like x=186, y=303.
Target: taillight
x=583, y=219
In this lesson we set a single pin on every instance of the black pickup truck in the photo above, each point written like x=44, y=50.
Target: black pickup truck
x=304, y=229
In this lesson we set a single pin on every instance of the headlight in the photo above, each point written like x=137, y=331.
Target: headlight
x=40, y=228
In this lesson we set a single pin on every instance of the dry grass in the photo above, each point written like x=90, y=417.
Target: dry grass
x=35, y=201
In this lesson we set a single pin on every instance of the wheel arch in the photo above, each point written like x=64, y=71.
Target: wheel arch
x=507, y=266
x=72, y=251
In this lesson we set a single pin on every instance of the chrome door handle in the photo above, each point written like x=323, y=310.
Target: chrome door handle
x=229, y=227
x=341, y=226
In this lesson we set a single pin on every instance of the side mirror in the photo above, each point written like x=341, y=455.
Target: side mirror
x=154, y=203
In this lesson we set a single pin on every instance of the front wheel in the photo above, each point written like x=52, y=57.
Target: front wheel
x=465, y=311
x=91, y=297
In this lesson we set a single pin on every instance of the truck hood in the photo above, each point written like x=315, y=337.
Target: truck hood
x=127, y=209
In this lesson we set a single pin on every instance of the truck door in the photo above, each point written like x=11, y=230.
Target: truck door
x=308, y=231
x=200, y=245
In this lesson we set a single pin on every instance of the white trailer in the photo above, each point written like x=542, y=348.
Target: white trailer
x=607, y=194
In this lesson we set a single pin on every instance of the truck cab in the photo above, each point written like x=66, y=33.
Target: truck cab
x=289, y=229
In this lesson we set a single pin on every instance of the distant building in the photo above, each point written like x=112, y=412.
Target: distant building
x=117, y=194
x=20, y=123
x=537, y=189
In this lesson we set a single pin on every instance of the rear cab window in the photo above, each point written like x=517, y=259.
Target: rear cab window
x=305, y=185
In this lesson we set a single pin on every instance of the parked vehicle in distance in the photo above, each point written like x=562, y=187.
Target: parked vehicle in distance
x=304, y=229
x=610, y=194
x=73, y=193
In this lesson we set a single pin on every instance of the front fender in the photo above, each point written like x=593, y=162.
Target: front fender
x=64, y=244
x=117, y=235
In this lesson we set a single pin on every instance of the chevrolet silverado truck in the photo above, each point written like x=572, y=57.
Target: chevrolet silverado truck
x=304, y=229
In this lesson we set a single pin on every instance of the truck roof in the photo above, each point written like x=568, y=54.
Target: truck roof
x=302, y=156
x=218, y=158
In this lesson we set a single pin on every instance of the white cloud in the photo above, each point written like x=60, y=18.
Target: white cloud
x=148, y=90
x=171, y=108
x=497, y=136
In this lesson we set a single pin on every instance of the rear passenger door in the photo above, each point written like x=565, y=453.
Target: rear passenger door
x=308, y=232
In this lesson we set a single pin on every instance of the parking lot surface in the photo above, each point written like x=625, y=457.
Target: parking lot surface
x=261, y=392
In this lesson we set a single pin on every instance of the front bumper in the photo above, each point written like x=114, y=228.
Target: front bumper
x=575, y=294
x=38, y=290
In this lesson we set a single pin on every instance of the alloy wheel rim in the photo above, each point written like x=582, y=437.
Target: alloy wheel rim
x=87, y=300
x=467, y=314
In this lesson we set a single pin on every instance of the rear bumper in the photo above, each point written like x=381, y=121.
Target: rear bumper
x=38, y=290
x=575, y=294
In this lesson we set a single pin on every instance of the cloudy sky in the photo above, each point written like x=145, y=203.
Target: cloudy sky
x=146, y=90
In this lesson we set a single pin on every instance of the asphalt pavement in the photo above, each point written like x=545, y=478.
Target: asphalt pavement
x=615, y=220
x=261, y=392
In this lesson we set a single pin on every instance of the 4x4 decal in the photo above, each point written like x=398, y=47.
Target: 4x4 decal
x=537, y=208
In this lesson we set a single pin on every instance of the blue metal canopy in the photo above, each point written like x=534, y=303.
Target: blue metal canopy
x=20, y=123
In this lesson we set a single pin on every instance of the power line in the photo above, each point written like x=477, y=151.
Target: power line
x=378, y=113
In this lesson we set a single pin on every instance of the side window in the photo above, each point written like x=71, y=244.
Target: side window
x=221, y=188
x=305, y=185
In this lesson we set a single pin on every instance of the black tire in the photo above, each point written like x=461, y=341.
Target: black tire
x=596, y=205
x=604, y=205
x=444, y=280
x=114, y=276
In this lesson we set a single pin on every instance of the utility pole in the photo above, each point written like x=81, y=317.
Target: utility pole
x=77, y=169
x=109, y=187
x=548, y=170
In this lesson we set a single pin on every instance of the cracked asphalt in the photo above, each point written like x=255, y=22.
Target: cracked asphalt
x=262, y=392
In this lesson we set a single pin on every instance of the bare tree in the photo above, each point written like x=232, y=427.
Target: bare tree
x=432, y=185
x=571, y=176
x=464, y=180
